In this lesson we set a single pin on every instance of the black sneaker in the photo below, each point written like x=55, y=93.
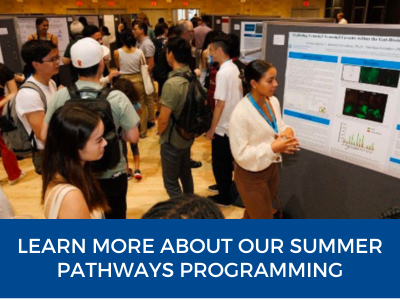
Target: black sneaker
x=195, y=164
x=150, y=125
x=217, y=200
x=213, y=188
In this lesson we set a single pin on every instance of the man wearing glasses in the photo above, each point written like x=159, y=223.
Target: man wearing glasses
x=44, y=61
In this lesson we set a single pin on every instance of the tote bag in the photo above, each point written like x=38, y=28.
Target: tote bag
x=144, y=70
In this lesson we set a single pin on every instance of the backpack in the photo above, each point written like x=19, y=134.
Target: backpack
x=195, y=118
x=13, y=131
x=101, y=106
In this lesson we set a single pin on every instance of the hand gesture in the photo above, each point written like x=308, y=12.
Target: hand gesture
x=283, y=144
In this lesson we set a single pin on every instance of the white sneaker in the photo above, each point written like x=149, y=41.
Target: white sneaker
x=15, y=181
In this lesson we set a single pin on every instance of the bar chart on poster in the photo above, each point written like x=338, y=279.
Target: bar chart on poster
x=342, y=97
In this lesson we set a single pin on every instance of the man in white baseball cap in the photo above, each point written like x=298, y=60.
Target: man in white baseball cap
x=87, y=55
x=87, y=52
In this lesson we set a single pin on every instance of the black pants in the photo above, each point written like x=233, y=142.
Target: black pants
x=115, y=190
x=176, y=166
x=222, y=164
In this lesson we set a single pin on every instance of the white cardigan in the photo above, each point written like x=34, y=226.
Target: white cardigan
x=251, y=136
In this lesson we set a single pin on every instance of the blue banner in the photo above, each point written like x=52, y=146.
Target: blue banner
x=383, y=64
x=315, y=57
x=194, y=258
x=311, y=118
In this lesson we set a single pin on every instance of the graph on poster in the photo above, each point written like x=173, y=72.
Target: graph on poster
x=355, y=141
x=342, y=97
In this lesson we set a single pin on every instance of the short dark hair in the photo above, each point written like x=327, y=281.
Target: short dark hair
x=126, y=86
x=83, y=20
x=40, y=20
x=224, y=42
x=89, y=30
x=160, y=28
x=185, y=207
x=36, y=50
x=235, y=46
x=88, y=72
x=105, y=30
x=142, y=25
x=161, y=20
x=180, y=48
x=171, y=32
x=206, y=19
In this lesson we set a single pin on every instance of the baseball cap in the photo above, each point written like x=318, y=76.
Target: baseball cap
x=87, y=52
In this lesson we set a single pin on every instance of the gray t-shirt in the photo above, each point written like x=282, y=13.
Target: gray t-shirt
x=173, y=96
x=122, y=110
x=147, y=46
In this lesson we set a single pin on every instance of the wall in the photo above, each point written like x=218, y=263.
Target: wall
x=251, y=7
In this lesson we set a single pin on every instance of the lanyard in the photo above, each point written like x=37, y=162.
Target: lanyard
x=274, y=125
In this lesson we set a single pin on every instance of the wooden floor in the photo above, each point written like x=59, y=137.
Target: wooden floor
x=25, y=195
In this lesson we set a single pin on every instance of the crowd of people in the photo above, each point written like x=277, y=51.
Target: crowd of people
x=79, y=141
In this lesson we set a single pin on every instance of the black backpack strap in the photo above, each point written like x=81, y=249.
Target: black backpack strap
x=184, y=75
x=174, y=120
x=73, y=91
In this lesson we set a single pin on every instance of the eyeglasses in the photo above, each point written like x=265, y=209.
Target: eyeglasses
x=53, y=60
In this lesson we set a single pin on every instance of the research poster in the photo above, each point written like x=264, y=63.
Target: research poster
x=109, y=22
x=342, y=96
x=251, y=39
x=57, y=27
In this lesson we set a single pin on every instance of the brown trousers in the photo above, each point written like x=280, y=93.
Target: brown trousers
x=146, y=101
x=257, y=189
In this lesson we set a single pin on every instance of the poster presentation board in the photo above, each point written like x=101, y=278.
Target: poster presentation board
x=109, y=22
x=57, y=27
x=251, y=39
x=342, y=96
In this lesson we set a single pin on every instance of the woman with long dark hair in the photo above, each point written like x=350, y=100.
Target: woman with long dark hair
x=42, y=26
x=258, y=136
x=74, y=138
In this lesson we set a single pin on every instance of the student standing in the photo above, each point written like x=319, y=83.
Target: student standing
x=175, y=151
x=258, y=136
x=87, y=56
x=228, y=93
x=43, y=59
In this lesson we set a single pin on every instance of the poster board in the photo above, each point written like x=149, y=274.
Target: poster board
x=251, y=39
x=10, y=45
x=110, y=23
x=57, y=26
x=315, y=184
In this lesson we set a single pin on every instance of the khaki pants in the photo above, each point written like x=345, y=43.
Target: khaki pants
x=146, y=101
x=257, y=189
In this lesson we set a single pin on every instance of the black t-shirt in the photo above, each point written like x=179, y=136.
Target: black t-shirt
x=5, y=75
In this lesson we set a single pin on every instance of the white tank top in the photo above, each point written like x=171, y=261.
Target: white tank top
x=56, y=197
x=129, y=63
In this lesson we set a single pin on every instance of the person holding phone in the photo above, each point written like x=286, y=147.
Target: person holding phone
x=258, y=136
